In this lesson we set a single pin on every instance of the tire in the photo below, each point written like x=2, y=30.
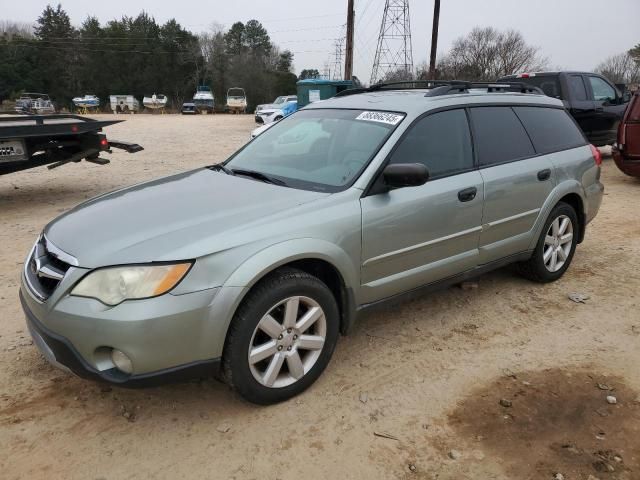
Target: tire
x=276, y=294
x=539, y=270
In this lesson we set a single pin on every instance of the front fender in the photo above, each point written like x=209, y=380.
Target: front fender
x=270, y=258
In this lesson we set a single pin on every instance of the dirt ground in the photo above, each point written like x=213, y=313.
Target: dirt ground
x=506, y=381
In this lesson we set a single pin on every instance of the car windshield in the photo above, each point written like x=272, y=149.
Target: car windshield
x=279, y=100
x=236, y=93
x=318, y=149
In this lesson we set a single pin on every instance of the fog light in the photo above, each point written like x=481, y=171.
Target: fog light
x=121, y=361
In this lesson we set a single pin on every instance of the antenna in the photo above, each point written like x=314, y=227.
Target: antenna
x=394, y=55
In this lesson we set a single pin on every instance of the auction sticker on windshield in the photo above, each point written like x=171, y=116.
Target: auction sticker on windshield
x=382, y=117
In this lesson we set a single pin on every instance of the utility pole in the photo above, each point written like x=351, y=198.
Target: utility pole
x=348, y=60
x=434, y=39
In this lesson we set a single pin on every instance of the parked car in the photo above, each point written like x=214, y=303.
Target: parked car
x=260, y=130
x=626, y=152
x=277, y=102
x=595, y=102
x=254, y=266
x=269, y=115
x=189, y=108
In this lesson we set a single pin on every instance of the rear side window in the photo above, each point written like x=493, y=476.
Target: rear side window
x=549, y=84
x=550, y=129
x=578, y=90
x=499, y=136
x=441, y=141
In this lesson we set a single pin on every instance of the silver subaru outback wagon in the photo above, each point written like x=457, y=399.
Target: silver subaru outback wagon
x=254, y=267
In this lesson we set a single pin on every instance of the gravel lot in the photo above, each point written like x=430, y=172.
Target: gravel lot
x=414, y=392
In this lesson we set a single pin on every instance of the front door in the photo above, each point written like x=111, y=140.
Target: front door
x=418, y=235
x=609, y=110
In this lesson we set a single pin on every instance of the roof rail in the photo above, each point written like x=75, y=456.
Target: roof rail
x=464, y=87
x=445, y=87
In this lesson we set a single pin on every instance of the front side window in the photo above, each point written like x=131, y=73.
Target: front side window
x=441, y=141
x=602, y=91
x=318, y=149
x=499, y=136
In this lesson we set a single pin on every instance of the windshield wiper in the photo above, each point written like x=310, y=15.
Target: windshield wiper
x=222, y=168
x=258, y=176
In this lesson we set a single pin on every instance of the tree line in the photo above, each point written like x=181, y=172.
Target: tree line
x=138, y=56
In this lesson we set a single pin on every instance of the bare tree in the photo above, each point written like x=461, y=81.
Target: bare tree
x=486, y=54
x=399, y=75
x=621, y=68
x=9, y=29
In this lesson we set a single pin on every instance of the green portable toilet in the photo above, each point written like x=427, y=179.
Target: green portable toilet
x=314, y=89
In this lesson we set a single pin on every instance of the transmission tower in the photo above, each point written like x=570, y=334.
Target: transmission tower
x=394, y=52
x=338, y=55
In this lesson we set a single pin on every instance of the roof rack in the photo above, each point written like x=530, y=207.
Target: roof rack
x=446, y=87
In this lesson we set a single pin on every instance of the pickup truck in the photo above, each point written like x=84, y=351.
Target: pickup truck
x=29, y=141
x=595, y=102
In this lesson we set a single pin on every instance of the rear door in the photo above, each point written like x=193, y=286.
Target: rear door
x=609, y=110
x=418, y=235
x=516, y=181
x=579, y=102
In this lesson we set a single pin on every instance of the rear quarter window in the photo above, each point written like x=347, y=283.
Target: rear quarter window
x=550, y=129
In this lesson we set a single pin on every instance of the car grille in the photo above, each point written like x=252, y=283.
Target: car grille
x=44, y=269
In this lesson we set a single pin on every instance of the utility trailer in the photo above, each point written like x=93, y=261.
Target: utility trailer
x=29, y=141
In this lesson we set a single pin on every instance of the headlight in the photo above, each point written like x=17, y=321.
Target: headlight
x=116, y=284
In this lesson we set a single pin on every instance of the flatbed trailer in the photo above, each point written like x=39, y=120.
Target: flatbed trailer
x=29, y=141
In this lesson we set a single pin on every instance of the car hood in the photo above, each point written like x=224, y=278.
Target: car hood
x=174, y=218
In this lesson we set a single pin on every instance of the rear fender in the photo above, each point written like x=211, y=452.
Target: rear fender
x=561, y=190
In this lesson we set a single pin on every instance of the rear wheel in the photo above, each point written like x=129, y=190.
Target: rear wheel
x=281, y=338
x=555, y=248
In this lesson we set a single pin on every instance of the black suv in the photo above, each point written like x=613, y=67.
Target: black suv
x=595, y=102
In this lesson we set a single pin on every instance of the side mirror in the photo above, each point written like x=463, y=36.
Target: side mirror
x=401, y=175
x=626, y=96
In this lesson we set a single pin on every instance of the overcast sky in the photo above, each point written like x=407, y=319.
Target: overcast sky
x=573, y=34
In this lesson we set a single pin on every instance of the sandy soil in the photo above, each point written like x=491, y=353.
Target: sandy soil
x=413, y=392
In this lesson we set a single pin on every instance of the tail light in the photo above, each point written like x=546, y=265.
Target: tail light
x=104, y=143
x=597, y=156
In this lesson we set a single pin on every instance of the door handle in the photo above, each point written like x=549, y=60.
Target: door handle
x=544, y=174
x=599, y=109
x=467, y=194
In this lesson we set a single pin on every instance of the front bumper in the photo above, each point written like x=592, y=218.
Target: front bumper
x=59, y=351
x=168, y=337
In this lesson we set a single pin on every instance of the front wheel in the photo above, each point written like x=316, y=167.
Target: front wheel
x=555, y=248
x=281, y=338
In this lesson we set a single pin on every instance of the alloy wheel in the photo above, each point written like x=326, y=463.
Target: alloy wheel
x=287, y=342
x=558, y=243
